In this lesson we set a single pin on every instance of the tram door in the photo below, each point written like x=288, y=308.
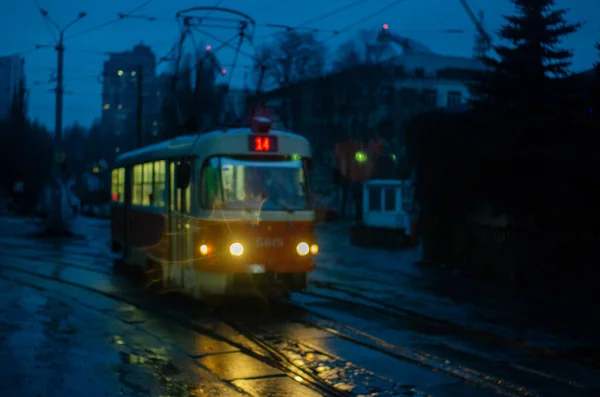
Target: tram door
x=127, y=174
x=181, y=228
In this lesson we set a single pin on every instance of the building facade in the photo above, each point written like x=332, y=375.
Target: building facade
x=12, y=71
x=393, y=90
x=120, y=96
x=372, y=101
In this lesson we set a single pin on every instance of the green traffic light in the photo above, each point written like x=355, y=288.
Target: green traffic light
x=361, y=157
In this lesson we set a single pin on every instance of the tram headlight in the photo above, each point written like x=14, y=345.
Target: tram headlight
x=236, y=249
x=302, y=249
x=203, y=249
x=314, y=249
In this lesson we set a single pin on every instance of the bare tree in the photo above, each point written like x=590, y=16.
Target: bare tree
x=365, y=48
x=292, y=58
x=360, y=62
x=348, y=56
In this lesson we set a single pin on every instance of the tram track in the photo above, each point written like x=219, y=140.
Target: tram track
x=275, y=358
x=271, y=350
x=272, y=358
x=319, y=362
x=418, y=358
x=423, y=358
x=398, y=312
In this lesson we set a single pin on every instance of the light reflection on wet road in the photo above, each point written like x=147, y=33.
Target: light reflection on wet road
x=117, y=348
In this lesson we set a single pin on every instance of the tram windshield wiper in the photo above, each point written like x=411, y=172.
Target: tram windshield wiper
x=247, y=209
x=285, y=208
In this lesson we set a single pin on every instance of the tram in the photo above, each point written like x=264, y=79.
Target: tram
x=225, y=212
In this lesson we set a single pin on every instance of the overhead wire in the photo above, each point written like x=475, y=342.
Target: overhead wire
x=360, y=21
x=303, y=25
x=120, y=17
x=228, y=43
x=218, y=3
x=334, y=12
x=186, y=29
x=91, y=29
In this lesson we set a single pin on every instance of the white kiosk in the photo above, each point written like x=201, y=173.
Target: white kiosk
x=388, y=215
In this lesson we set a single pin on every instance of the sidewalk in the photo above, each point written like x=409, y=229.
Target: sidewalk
x=398, y=279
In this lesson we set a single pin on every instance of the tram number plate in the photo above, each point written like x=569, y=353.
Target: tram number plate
x=262, y=143
x=269, y=242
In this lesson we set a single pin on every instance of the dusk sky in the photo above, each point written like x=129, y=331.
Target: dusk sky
x=22, y=27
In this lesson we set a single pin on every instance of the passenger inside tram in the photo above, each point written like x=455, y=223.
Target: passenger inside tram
x=254, y=185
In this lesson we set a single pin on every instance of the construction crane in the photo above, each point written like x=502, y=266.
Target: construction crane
x=483, y=41
x=409, y=46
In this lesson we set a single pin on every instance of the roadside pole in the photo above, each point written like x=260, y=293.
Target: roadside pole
x=56, y=223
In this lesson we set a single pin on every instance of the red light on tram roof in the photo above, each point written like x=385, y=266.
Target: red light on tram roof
x=208, y=48
x=223, y=71
x=261, y=125
x=386, y=26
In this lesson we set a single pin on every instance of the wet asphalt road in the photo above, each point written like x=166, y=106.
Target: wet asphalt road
x=70, y=326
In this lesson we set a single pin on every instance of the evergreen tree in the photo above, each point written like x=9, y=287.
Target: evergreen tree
x=523, y=75
x=598, y=63
x=596, y=103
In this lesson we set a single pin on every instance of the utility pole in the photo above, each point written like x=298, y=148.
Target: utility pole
x=140, y=106
x=56, y=222
x=60, y=50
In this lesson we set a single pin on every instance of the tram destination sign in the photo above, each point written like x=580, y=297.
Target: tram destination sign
x=262, y=143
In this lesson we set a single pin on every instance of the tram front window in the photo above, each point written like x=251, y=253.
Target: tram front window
x=246, y=183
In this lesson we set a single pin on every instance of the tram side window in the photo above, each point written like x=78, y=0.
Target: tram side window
x=118, y=185
x=210, y=188
x=137, y=184
x=159, y=183
x=172, y=185
x=147, y=185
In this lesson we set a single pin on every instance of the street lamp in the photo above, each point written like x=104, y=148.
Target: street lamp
x=56, y=221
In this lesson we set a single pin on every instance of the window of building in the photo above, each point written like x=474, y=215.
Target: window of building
x=106, y=106
x=118, y=185
x=137, y=184
x=147, y=184
x=454, y=99
x=429, y=99
x=408, y=97
x=386, y=95
x=375, y=198
x=390, y=199
x=159, y=183
x=420, y=72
